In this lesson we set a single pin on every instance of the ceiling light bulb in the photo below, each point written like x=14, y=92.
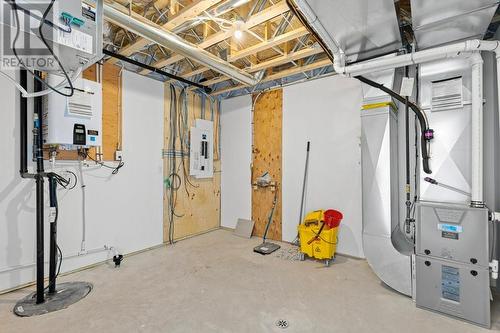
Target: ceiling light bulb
x=238, y=29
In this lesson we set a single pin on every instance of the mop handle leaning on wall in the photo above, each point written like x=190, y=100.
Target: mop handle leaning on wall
x=304, y=182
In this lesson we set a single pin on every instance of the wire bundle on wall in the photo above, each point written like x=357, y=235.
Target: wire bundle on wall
x=178, y=148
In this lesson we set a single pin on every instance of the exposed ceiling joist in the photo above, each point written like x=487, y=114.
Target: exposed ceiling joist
x=281, y=60
x=117, y=14
x=304, y=53
x=196, y=71
x=189, y=12
x=280, y=75
x=256, y=19
x=262, y=47
x=267, y=44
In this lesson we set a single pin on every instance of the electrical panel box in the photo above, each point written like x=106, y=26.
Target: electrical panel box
x=201, y=161
x=75, y=120
x=72, y=29
x=453, y=232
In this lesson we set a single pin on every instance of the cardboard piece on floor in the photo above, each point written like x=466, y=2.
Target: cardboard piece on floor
x=244, y=228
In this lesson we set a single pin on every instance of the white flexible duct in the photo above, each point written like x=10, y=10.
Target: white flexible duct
x=117, y=14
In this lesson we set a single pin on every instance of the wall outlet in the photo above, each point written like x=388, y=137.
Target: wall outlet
x=118, y=155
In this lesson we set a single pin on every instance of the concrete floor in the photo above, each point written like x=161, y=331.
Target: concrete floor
x=215, y=283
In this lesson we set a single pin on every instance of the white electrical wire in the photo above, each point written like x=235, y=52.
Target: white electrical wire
x=27, y=94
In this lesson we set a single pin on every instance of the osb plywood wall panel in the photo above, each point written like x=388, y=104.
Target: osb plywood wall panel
x=267, y=137
x=111, y=113
x=198, y=206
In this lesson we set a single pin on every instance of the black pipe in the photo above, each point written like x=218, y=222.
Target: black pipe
x=427, y=134
x=23, y=140
x=156, y=70
x=53, y=234
x=37, y=131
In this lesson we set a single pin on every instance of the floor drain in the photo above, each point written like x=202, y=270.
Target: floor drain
x=282, y=323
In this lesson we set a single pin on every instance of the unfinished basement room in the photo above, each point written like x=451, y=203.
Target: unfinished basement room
x=234, y=166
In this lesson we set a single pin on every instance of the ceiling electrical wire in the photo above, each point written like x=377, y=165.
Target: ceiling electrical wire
x=15, y=7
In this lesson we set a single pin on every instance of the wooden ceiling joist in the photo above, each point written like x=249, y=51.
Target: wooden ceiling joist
x=189, y=12
x=265, y=45
x=256, y=19
x=288, y=72
x=304, y=53
x=193, y=72
x=284, y=59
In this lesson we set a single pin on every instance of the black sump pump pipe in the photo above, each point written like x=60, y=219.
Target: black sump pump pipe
x=427, y=134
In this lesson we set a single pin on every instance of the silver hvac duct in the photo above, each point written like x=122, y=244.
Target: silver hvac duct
x=140, y=26
x=385, y=246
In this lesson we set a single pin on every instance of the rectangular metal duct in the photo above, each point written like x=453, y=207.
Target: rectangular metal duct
x=443, y=21
x=361, y=28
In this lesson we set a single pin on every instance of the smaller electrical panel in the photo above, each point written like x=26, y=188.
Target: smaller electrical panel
x=201, y=161
x=76, y=120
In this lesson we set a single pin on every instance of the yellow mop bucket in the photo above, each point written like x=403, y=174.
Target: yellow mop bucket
x=318, y=234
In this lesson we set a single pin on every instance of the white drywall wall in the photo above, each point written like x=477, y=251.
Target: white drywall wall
x=124, y=210
x=325, y=112
x=236, y=156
